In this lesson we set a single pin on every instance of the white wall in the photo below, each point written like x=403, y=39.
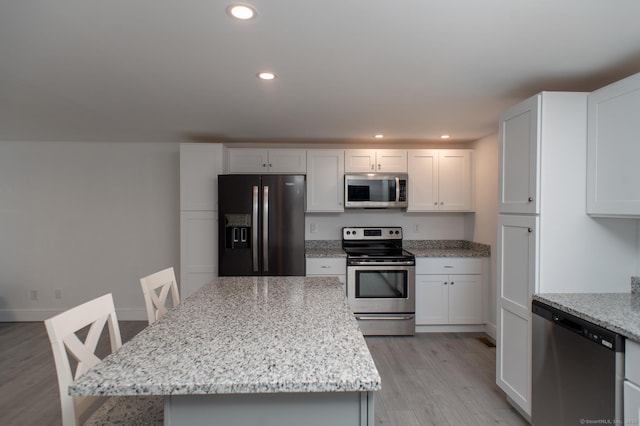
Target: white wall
x=87, y=219
x=485, y=224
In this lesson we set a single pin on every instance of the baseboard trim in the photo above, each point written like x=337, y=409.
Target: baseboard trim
x=450, y=328
x=34, y=315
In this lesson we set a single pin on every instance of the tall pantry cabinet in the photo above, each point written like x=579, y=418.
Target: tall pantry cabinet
x=200, y=165
x=546, y=243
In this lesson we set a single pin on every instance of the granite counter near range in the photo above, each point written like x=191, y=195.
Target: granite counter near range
x=617, y=312
x=420, y=248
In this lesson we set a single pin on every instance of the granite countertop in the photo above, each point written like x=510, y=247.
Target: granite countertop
x=420, y=248
x=617, y=312
x=244, y=335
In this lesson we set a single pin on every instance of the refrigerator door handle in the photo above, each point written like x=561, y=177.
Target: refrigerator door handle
x=265, y=229
x=254, y=230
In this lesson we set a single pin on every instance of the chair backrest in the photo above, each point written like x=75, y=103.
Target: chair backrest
x=155, y=302
x=65, y=342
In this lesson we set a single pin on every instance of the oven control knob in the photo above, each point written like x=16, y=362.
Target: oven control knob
x=397, y=232
x=348, y=232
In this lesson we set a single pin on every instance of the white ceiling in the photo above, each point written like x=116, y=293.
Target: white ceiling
x=161, y=70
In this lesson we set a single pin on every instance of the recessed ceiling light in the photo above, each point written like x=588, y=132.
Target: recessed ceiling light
x=266, y=75
x=379, y=136
x=241, y=11
x=445, y=137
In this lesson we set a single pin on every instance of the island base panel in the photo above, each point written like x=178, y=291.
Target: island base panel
x=277, y=409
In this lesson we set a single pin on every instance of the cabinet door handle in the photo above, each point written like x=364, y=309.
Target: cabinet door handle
x=264, y=164
x=445, y=283
x=530, y=199
x=452, y=283
x=529, y=230
x=373, y=167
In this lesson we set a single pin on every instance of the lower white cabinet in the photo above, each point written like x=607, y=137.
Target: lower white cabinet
x=631, y=383
x=198, y=250
x=328, y=267
x=448, y=291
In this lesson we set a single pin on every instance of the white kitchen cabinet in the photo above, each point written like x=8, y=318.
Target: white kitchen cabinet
x=328, y=267
x=285, y=161
x=613, y=181
x=631, y=392
x=375, y=161
x=440, y=180
x=516, y=270
x=518, y=158
x=448, y=291
x=548, y=244
x=325, y=180
x=200, y=165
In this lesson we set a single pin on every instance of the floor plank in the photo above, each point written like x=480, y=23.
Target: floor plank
x=427, y=379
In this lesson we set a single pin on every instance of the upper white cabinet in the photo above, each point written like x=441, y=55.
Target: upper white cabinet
x=325, y=180
x=375, y=161
x=440, y=180
x=200, y=165
x=519, y=151
x=613, y=153
x=247, y=160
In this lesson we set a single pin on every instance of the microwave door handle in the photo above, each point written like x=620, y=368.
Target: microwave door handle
x=254, y=230
x=397, y=189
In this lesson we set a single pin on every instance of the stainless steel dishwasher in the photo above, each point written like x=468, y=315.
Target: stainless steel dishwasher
x=577, y=370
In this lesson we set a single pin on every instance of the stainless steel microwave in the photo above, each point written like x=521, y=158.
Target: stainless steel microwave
x=371, y=190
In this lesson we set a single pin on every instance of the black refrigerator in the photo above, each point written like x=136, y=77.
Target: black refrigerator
x=261, y=225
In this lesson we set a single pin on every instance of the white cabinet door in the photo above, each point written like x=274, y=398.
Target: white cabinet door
x=391, y=161
x=360, y=161
x=519, y=158
x=631, y=403
x=423, y=180
x=200, y=165
x=454, y=180
x=198, y=250
x=440, y=180
x=375, y=161
x=325, y=180
x=516, y=266
x=432, y=299
x=465, y=299
x=243, y=160
x=287, y=161
x=613, y=150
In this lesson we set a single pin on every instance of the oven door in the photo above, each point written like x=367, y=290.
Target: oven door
x=381, y=288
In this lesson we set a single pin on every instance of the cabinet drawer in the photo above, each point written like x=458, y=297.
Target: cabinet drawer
x=632, y=361
x=326, y=266
x=448, y=265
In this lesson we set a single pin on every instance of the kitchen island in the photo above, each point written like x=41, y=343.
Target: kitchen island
x=249, y=350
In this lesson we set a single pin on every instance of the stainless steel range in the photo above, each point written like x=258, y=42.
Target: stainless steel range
x=380, y=280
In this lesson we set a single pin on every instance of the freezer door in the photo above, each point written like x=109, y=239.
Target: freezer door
x=283, y=229
x=239, y=225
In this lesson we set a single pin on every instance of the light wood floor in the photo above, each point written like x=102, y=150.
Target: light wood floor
x=429, y=379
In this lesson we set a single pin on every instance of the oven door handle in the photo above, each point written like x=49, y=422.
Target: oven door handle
x=365, y=263
x=394, y=318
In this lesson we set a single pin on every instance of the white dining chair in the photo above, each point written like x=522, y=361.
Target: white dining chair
x=155, y=288
x=65, y=342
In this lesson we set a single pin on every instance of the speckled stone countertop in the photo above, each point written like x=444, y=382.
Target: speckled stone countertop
x=420, y=248
x=618, y=312
x=244, y=335
x=446, y=248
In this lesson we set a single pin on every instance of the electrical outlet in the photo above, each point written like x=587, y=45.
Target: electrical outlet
x=314, y=227
x=33, y=295
x=416, y=228
x=58, y=293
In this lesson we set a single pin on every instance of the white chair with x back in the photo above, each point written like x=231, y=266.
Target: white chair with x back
x=62, y=330
x=155, y=302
